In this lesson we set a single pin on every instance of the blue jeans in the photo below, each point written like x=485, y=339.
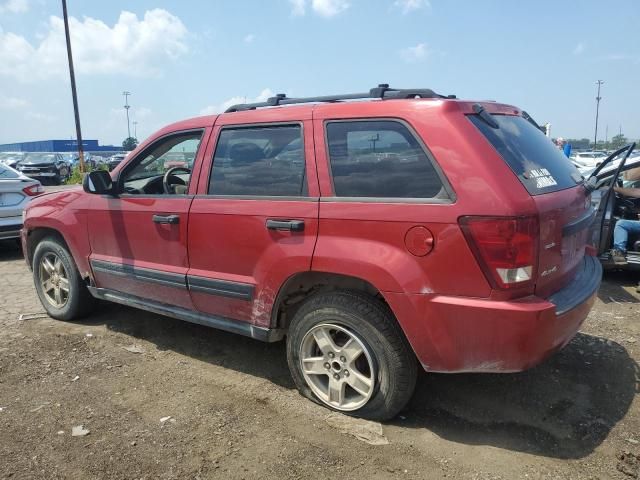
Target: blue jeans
x=622, y=231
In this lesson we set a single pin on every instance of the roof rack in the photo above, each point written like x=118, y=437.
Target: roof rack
x=382, y=91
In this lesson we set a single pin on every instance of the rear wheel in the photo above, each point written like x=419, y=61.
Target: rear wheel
x=347, y=352
x=61, y=290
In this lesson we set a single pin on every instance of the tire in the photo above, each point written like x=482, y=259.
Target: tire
x=77, y=301
x=384, y=372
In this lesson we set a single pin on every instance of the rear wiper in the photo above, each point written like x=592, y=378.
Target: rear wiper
x=484, y=115
x=530, y=119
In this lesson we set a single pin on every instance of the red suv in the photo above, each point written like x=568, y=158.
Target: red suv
x=405, y=226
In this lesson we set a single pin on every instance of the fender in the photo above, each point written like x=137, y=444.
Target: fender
x=65, y=212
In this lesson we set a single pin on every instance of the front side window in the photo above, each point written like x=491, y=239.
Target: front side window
x=147, y=172
x=380, y=159
x=259, y=161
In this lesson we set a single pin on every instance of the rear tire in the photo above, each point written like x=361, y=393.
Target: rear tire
x=60, y=288
x=346, y=351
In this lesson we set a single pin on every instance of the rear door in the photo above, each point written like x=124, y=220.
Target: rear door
x=555, y=185
x=604, y=199
x=254, y=221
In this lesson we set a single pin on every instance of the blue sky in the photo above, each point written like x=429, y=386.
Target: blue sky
x=184, y=58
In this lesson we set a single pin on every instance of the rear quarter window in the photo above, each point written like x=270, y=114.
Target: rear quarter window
x=537, y=162
x=380, y=159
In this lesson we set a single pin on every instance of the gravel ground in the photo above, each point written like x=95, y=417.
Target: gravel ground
x=165, y=399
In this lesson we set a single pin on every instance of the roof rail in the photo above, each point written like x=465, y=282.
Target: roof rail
x=382, y=91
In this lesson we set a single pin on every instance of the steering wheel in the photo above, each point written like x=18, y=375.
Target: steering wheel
x=624, y=201
x=166, y=185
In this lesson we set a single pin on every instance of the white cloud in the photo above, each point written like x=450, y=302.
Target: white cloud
x=14, y=6
x=39, y=117
x=329, y=8
x=249, y=38
x=407, y=6
x=579, y=49
x=11, y=103
x=324, y=8
x=131, y=47
x=298, y=7
x=415, y=54
x=212, y=109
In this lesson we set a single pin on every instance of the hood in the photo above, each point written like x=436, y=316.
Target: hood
x=37, y=162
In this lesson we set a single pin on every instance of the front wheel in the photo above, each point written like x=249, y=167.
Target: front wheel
x=347, y=352
x=61, y=290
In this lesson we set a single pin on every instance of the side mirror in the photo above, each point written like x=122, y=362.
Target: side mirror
x=98, y=182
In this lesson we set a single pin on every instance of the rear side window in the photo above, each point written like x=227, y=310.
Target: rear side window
x=540, y=166
x=259, y=161
x=380, y=159
x=8, y=173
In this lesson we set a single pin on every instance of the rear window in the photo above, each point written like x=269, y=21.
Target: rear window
x=538, y=163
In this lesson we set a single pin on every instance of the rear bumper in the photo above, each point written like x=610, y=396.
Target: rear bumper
x=10, y=227
x=460, y=334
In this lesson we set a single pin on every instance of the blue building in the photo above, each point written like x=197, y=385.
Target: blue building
x=58, y=146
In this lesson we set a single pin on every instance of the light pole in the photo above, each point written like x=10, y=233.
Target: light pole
x=598, y=98
x=74, y=94
x=135, y=129
x=126, y=108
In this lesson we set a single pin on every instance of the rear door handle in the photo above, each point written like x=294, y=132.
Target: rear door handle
x=291, y=225
x=166, y=219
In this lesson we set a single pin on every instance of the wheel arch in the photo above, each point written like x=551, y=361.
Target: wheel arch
x=301, y=285
x=36, y=234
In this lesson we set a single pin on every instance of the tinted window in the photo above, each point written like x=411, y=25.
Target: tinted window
x=266, y=161
x=380, y=159
x=538, y=163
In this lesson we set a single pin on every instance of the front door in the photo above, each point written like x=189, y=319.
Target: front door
x=139, y=237
x=256, y=222
x=604, y=198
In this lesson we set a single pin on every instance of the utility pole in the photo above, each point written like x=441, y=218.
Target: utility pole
x=606, y=135
x=598, y=98
x=135, y=129
x=126, y=108
x=73, y=88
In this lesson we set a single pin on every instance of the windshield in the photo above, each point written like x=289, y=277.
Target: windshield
x=40, y=157
x=538, y=163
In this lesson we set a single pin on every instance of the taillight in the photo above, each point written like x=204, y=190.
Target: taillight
x=506, y=248
x=33, y=190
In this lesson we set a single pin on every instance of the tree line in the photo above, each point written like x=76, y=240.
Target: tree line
x=617, y=141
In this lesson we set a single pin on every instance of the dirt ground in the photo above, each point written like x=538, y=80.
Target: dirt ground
x=234, y=412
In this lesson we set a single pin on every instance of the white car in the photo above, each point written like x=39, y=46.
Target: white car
x=588, y=159
x=16, y=190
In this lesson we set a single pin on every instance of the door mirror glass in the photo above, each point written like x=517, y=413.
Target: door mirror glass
x=98, y=182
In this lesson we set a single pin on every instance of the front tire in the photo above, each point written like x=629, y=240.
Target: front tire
x=60, y=287
x=347, y=352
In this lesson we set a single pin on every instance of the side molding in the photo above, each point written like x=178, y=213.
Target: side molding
x=221, y=323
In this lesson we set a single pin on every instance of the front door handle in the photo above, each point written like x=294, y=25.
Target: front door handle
x=166, y=219
x=291, y=225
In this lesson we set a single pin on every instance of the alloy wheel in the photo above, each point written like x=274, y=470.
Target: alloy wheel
x=337, y=366
x=54, y=280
